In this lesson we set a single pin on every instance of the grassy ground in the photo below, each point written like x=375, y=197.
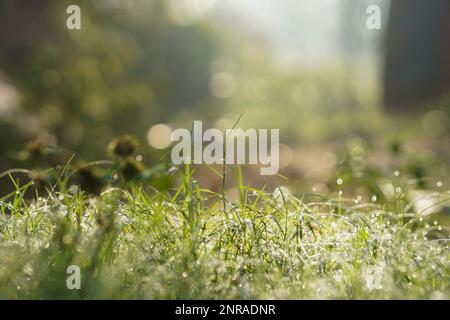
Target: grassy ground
x=194, y=244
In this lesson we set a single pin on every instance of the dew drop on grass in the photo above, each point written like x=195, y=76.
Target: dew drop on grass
x=398, y=189
x=435, y=222
x=374, y=198
x=73, y=189
x=439, y=184
x=339, y=181
x=396, y=173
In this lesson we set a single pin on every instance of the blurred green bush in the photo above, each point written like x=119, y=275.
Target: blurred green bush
x=128, y=68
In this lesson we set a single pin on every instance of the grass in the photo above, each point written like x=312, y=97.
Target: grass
x=195, y=244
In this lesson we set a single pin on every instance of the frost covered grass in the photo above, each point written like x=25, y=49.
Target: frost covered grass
x=194, y=244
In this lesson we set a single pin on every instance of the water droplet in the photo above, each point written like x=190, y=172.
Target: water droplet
x=396, y=173
x=439, y=184
x=339, y=181
x=398, y=189
x=374, y=198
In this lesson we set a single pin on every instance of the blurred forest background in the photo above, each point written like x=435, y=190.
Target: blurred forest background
x=344, y=97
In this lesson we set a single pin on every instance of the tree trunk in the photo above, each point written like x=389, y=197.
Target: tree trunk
x=417, y=61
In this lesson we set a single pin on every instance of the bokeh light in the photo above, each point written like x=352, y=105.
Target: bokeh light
x=158, y=136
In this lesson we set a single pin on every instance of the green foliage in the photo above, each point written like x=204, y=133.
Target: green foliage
x=194, y=244
x=128, y=68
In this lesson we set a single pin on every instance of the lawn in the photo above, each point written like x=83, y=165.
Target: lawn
x=193, y=243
